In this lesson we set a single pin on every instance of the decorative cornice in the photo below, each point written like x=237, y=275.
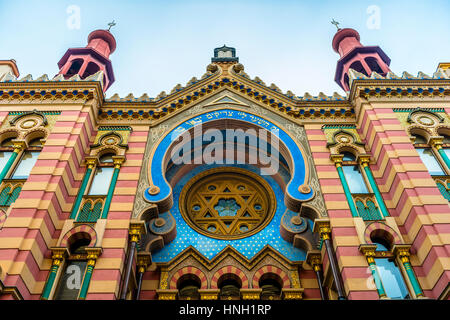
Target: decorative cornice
x=293, y=293
x=393, y=86
x=321, y=109
x=54, y=90
x=251, y=293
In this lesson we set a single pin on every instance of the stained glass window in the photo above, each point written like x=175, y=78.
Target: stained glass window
x=355, y=179
x=429, y=160
x=227, y=203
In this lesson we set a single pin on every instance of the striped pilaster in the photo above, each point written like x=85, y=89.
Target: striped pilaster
x=92, y=257
x=35, y=219
x=105, y=281
x=351, y=262
x=410, y=194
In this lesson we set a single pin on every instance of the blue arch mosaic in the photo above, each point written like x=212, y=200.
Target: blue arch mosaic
x=210, y=247
x=157, y=170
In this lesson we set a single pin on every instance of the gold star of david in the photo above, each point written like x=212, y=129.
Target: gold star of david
x=226, y=203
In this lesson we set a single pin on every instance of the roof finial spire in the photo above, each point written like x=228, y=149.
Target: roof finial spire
x=111, y=24
x=336, y=24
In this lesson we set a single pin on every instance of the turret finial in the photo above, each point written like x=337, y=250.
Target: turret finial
x=111, y=24
x=336, y=24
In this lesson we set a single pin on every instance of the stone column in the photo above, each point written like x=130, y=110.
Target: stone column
x=364, y=162
x=337, y=159
x=314, y=259
x=136, y=230
x=93, y=254
x=322, y=226
x=368, y=250
x=143, y=261
x=436, y=142
x=118, y=161
x=19, y=146
x=401, y=251
x=58, y=255
x=90, y=163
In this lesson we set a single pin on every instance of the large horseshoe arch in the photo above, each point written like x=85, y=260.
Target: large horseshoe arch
x=159, y=192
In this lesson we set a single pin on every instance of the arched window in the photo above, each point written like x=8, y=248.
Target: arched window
x=102, y=177
x=429, y=160
x=390, y=274
x=97, y=188
x=434, y=161
x=348, y=156
x=230, y=288
x=75, y=67
x=357, y=66
x=91, y=69
x=188, y=286
x=271, y=287
x=373, y=64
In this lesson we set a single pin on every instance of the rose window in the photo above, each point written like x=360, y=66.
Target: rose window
x=227, y=203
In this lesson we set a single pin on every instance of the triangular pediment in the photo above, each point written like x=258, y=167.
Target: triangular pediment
x=225, y=98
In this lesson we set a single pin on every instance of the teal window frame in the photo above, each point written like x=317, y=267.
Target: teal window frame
x=96, y=177
x=444, y=173
x=363, y=188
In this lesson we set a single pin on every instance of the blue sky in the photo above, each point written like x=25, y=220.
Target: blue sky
x=286, y=42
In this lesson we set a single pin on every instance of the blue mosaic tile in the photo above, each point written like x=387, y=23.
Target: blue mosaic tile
x=210, y=247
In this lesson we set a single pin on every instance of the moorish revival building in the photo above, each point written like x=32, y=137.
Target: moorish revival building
x=226, y=187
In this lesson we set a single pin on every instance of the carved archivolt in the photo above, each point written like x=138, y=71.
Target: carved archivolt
x=27, y=126
x=229, y=264
x=345, y=140
x=79, y=232
x=189, y=271
x=111, y=139
x=273, y=272
x=428, y=123
x=381, y=230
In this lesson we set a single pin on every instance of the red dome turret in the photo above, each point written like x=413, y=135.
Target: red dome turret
x=91, y=59
x=356, y=56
